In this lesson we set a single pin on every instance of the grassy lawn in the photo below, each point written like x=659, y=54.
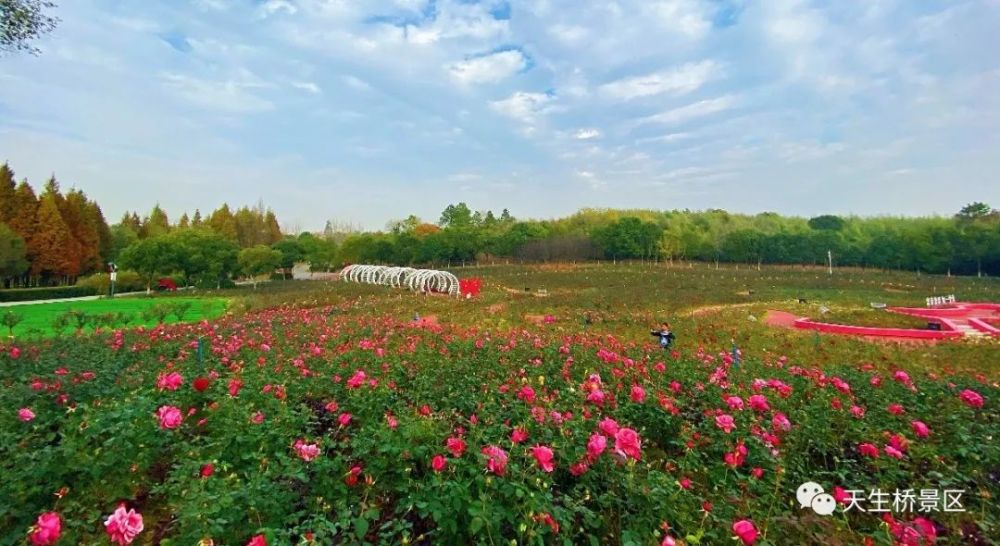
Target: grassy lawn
x=39, y=318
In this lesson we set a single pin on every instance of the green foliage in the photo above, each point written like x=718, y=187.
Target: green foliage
x=38, y=319
x=11, y=319
x=258, y=260
x=13, y=253
x=55, y=292
x=100, y=283
x=827, y=222
x=22, y=22
x=151, y=257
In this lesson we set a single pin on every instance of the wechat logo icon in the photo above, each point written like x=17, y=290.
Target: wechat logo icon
x=811, y=495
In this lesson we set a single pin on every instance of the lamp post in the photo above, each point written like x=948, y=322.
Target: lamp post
x=113, y=273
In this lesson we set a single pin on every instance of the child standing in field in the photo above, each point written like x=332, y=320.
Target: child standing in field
x=665, y=335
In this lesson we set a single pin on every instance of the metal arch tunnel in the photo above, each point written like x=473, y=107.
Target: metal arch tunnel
x=418, y=280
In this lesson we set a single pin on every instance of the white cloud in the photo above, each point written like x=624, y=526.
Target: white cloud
x=272, y=7
x=587, y=134
x=687, y=17
x=309, y=87
x=227, y=96
x=488, y=68
x=683, y=79
x=523, y=106
x=569, y=35
x=356, y=83
x=669, y=137
x=692, y=111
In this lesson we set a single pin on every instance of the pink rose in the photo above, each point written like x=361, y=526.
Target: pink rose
x=257, y=540
x=438, y=463
x=344, y=419
x=526, y=394
x=735, y=403
x=725, y=422
x=596, y=445
x=496, y=462
x=257, y=418
x=868, y=450
x=518, y=435
x=122, y=526
x=46, y=530
x=638, y=394
x=745, y=530
x=543, y=456
x=921, y=429
x=356, y=380
x=455, y=445
x=758, y=402
x=627, y=443
x=608, y=426
x=170, y=417
x=25, y=414
x=306, y=452
x=971, y=398
x=169, y=382
x=780, y=422
x=893, y=452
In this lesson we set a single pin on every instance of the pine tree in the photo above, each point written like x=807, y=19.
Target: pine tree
x=25, y=209
x=184, y=222
x=272, y=229
x=50, y=240
x=105, y=242
x=196, y=220
x=72, y=251
x=223, y=223
x=8, y=205
x=156, y=223
x=84, y=230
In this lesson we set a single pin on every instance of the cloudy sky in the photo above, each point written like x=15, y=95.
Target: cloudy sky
x=363, y=111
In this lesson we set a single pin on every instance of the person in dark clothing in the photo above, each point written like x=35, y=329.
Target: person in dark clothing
x=665, y=335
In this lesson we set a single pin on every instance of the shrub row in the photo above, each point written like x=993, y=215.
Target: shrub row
x=31, y=294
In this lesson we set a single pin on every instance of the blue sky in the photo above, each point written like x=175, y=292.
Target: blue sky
x=364, y=111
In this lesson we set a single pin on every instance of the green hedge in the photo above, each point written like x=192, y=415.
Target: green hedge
x=56, y=292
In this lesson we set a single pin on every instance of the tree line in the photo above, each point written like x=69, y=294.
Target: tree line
x=965, y=243
x=57, y=237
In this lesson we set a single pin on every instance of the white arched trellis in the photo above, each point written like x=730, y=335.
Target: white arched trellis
x=420, y=280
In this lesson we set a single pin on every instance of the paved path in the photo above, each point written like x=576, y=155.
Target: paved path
x=59, y=300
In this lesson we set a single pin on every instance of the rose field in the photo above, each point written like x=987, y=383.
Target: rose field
x=540, y=412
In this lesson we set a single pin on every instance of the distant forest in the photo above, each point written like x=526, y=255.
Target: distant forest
x=56, y=237
x=967, y=243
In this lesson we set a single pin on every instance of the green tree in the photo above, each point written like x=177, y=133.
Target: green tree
x=151, y=257
x=258, y=260
x=23, y=21
x=827, y=222
x=224, y=223
x=13, y=255
x=456, y=216
x=156, y=224
x=205, y=258
x=8, y=191
x=319, y=253
x=291, y=253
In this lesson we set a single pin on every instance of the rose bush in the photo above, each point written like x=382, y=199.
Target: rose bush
x=309, y=426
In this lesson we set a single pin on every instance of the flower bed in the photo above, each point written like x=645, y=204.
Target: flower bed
x=308, y=426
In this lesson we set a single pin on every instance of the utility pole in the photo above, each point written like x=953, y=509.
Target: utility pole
x=829, y=261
